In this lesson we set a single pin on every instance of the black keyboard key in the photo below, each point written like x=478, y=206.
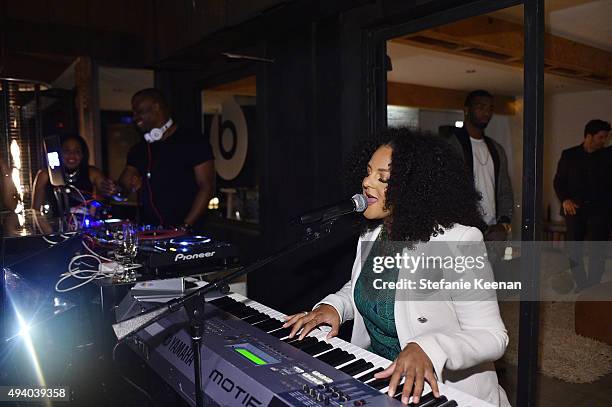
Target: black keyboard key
x=380, y=384
x=241, y=311
x=428, y=400
x=449, y=403
x=269, y=325
x=259, y=317
x=353, y=365
x=229, y=305
x=359, y=369
x=398, y=390
x=370, y=375
x=438, y=402
x=237, y=309
x=345, y=357
x=281, y=333
x=223, y=301
x=309, y=340
x=329, y=356
x=295, y=338
x=317, y=348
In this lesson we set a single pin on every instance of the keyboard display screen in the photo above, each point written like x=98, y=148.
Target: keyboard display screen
x=251, y=356
x=254, y=354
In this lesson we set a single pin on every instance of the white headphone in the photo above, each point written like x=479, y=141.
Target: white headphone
x=156, y=134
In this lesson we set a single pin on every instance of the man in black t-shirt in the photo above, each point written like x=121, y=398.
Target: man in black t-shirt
x=172, y=168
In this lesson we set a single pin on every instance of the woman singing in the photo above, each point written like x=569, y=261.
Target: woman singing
x=418, y=192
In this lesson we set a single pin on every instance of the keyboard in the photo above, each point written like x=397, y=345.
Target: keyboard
x=249, y=360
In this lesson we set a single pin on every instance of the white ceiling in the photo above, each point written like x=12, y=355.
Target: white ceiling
x=117, y=85
x=421, y=66
x=583, y=21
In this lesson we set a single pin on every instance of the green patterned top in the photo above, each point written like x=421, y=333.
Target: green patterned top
x=377, y=307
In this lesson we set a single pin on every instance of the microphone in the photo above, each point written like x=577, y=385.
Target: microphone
x=357, y=203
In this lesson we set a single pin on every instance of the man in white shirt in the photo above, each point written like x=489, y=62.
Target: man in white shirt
x=486, y=160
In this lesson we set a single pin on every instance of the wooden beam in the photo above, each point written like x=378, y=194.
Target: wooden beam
x=245, y=86
x=501, y=41
x=88, y=107
x=428, y=97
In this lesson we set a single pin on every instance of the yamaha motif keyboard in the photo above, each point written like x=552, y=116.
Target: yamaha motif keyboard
x=248, y=360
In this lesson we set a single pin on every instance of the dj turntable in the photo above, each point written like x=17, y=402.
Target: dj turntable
x=167, y=252
x=170, y=252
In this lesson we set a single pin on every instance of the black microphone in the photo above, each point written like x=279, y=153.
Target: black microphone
x=358, y=203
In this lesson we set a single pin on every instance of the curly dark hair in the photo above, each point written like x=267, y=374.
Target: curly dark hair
x=429, y=187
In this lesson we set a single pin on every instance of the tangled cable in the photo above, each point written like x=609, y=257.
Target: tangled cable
x=94, y=271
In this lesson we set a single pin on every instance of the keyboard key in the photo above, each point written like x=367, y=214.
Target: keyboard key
x=317, y=348
x=309, y=340
x=259, y=317
x=370, y=375
x=380, y=384
x=427, y=400
x=281, y=333
x=329, y=356
x=269, y=325
x=342, y=359
x=398, y=390
x=357, y=371
x=348, y=369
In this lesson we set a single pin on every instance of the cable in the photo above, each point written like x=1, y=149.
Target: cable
x=94, y=253
x=149, y=166
x=84, y=204
x=73, y=221
x=91, y=274
x=51, y=242
x=80, y=194
x=137, y=387
x=87, y=275
x=37, y=224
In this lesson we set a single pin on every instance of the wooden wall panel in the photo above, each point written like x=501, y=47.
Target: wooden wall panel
x=428, y=97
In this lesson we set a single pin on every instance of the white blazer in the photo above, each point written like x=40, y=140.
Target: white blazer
x=462, y=338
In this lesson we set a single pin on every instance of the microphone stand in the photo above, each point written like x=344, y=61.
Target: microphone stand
x=194, y=302
x=63, y=205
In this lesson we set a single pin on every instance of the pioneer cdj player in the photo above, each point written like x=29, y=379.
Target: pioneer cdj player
x=165, y=255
